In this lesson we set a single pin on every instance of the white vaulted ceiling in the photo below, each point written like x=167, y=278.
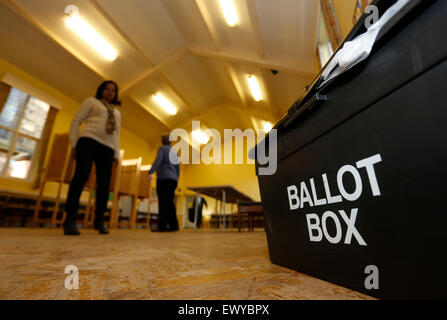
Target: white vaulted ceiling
x=182, y=48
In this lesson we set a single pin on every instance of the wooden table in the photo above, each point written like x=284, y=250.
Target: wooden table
x=225, y=194
x=252, y=210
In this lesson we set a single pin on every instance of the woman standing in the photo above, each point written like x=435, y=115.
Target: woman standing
x=167, y=179
x=98, y=141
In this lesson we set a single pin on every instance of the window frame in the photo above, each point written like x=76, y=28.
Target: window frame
x=328, y=17
x=32, y=171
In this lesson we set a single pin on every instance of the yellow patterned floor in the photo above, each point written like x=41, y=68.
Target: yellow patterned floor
x=139, y=264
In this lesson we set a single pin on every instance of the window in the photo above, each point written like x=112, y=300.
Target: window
x=22, y=123
x=329, y=34
x=325, y=49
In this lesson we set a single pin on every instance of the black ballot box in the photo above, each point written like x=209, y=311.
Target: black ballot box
x=359, y=196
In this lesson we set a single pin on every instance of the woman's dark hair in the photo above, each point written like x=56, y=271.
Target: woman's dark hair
x=102, y=87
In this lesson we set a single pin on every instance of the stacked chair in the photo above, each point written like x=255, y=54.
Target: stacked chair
x=59, y=169
x=128, y=185
x=144, y=192
x=129, y=178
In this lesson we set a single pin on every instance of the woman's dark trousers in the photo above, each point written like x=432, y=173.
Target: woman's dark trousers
x=89, y=151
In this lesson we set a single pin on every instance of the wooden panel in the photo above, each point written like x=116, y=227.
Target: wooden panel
x=144, y=185
x=58, y=155
x=114, y=187
x=115, y=170
x=127, y=179
x=130, y=178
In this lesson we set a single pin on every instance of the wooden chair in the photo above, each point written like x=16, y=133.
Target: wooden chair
x=60, y=169
x=128, y=186
x=115, y=181
x=144, y=192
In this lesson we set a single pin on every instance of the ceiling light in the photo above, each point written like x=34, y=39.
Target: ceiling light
x=229, y=12
x=89, y=35
x=200, y=136
x=254, y=87
x=267, y=126
x=165, y=104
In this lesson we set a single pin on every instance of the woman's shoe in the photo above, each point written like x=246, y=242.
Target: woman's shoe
x=101, y=228
x=71, y=230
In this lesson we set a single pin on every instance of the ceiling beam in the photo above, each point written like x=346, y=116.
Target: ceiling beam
x=206, y=16
x=121, y=32
x=255, y=29
x=139, y=102
x=133, y=121
x=172, y=59
x=237, y=84
x=230, y=107
x=260, y=49
x=227, y=105
x=195, y=117
x=209, y=111
x=304, y=70
x=188, y=107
